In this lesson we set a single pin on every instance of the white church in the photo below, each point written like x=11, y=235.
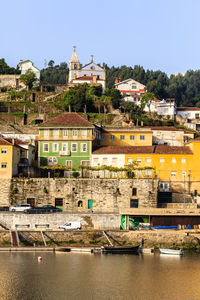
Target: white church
x=91, y=73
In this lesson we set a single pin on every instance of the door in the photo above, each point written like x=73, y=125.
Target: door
x=31, y=201
x=89, y=204
x=59, y=203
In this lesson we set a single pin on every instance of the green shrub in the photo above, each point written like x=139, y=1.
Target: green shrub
x=75, y=174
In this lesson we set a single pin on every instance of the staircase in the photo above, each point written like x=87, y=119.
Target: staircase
x=14, y=238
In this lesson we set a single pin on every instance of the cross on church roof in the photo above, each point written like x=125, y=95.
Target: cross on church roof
x=74, y=47
x=92, y=56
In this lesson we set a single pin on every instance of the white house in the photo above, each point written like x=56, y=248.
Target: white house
x=130, y=89
x=191, y=113
x=91, y=73
x=26, y=65
x=167, y=108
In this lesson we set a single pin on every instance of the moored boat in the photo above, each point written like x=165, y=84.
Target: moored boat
x=120, y=249
x=171, y=251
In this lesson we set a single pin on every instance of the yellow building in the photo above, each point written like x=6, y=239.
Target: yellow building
x=119, y=136
x=10, y=154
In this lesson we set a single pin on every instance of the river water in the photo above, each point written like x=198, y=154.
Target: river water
x=100, y=277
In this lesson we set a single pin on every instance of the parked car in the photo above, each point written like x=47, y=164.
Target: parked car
x=20, y=207
x=71, y=225
x=43, y=209
x=51, y=208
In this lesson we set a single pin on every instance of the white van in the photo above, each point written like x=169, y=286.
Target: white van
x=71, y=225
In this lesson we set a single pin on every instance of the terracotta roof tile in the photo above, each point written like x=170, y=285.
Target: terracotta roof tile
x=124, y=150
x=87, y=78
x=143, y=150
x=160, y=149
x=68, y=120
x=165, y=128
x=4, y=142
x=188, y=108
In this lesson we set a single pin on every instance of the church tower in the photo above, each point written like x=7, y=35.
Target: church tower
x=74, y=66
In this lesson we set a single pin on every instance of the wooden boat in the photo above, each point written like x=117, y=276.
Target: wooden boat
x=120, y=249
x=171, y=251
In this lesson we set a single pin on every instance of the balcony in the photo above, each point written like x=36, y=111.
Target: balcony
x=65, y=153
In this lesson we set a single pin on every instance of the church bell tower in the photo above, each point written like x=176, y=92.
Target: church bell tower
x=74, y=66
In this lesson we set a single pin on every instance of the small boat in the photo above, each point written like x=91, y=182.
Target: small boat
x=120, y=249
x=171, y=251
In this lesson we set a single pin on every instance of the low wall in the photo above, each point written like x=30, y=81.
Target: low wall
x=169, y=239
x=39, y=221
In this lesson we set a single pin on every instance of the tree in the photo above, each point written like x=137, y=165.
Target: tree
x=51, y=63
x=147, y=100
x=28, y=79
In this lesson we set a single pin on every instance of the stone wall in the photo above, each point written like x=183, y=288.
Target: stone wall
x=107, y=195
x=5, y=192
x=52, y=221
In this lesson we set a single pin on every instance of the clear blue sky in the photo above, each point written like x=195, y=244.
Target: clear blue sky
x=157, y=34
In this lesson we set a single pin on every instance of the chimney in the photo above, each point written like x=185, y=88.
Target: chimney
x=117, y=80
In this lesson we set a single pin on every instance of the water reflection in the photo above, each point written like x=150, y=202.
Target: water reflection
x=74, y=276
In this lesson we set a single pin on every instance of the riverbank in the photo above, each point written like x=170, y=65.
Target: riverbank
x=186, y=239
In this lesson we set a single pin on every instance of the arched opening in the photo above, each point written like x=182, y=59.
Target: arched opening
x=80, y=203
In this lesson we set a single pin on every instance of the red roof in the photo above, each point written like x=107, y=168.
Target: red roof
x=165, y=128
x=143, y=150
x=67, y=120
x=4, y=142
x=188, y=108
x=87, y=78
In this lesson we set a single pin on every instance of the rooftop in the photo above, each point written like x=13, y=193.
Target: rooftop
x=67, y=120
x=188, y=108
x=160, y=149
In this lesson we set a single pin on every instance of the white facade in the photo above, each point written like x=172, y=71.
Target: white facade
x=189, y=113
x=166, y=108
x=26, y=65
x=131, y=90
x=90, y=73
x=115, y=160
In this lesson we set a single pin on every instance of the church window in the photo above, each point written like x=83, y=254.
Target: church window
x=75, y=66
x=92, y=68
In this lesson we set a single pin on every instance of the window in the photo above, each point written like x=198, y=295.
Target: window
x=134, y=86
x=95, y=160
x=85, y=163
x=74, y=147
x=196, y=116
x=130, y=160
x=84, y=133
x=52, y=161
x=138, y=173
x=64, y=147
x=105, y=160
x=56, y=133
x=114, y=162
x=184, y=173
x=3, y=150
x=83, y=147
x=3, y=165
x=132, y=137
x=122, y=137
x=134, y=203
x=55, y=148
x=46, y=133
x=68, y=163
x=148, y=172
x=148, y=160
x=173, y=173
x=162, y=160
x=65, y=132
x=139, y=160
x=134, y=192
x=173, y=160
x=142, y=137
x=75, y=132
x=45, y=147
x=112, y=137
x=103, y=137
x=183, y=160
